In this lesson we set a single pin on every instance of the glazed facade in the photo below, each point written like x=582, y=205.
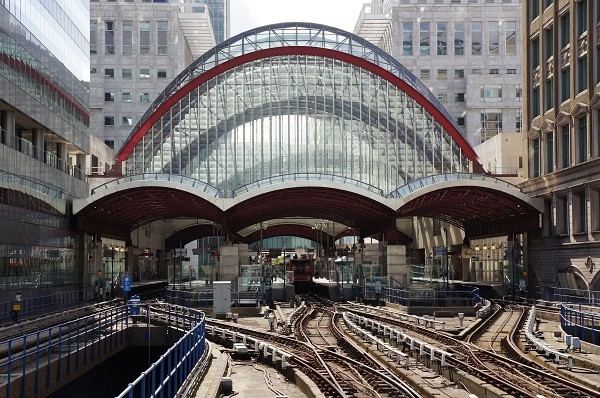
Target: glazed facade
x=291, y=114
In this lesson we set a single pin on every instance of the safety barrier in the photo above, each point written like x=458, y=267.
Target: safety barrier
x=204, y=297
x=355, y=322
x=575, y=321
x=576, y=296
x=540, y=345
x=485, y=310
x=61, y=344
x=33, y=306
x=431, y=297
x=277, y=355
x=165, y=376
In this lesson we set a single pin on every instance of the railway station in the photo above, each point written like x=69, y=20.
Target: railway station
x=298, y=215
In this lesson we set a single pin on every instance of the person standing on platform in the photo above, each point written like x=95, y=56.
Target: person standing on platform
x=100, y=285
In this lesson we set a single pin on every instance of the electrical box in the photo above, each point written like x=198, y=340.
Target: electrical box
x=221, y=298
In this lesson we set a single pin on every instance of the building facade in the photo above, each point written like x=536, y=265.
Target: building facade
x=466, y=52
x=44, y=124
x=561, y=90
x=136, y=48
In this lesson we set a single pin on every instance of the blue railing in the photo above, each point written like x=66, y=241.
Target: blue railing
x=64, y=345
x=430, y=297
x=165, y=376
x=34, y=306
x=578, y=296
x=579, y=323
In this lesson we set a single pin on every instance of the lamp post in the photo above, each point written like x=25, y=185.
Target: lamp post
x=112, y=269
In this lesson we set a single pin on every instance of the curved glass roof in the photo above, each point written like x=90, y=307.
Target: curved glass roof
x=290, y=35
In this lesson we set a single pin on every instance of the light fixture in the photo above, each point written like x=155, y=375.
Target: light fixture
x=485, y=247
x=493, y=246
x=476, y=248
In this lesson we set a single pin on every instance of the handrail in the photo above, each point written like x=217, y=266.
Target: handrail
x=581, y=324
x=162, y=177
x=165, y=376
x=26, y=147
x=542, y=345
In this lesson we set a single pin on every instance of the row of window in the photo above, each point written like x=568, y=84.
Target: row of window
x=126, y=73
x=497, y=32
x=442, y=74
x=127, y=97
x=578, y=221
x=144, y=45
x=543, y=148
x=488, y=94
x=126, y=120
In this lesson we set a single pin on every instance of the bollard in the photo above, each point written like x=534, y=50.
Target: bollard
x=235, y=317
x=461, y=319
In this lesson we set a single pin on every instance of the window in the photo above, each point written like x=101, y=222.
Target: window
x=494, y=37
x=459, y=97
x=579, y=212
x=564, y=30
x=144, y=73
x=518, y=122
x=582, y=139
x=424, y=73
x=459, y=73
x=126, y=97
x=476, y=38
x=144, y=98
x=110, y=143
x=442, y=97
x=460, y=121
x=127, y=37
x=494, y=71
x=564, y=147
x=93, y=71
x=595, y=209
x=549, y=152
x=548, y=94
x=491, y=93
x=511, y=71
x=424, y=48
x=144, y=38
x=582, y=76
x=459, y=38
x=534, y=9
x=476, y=71
x=562, y=215
x=491, y=124
x=581, y=9
x=535, y=53
x=109, y=38
x=535, y=153
x=93, y=37
x=126, y=74
x=548, y=43
x=535, y=102
x=109, y=73
x=126, y=121
x=442, y=38
x=162, y=33
x=518, y=92
x=511, y=37
x=109, y=97
x=407, y=38
x=161, y=74
x=109, y=120
x=565, y=84
x=442, y=74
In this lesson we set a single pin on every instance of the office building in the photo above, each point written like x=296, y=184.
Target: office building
x=44, y=120
x=562, y=126
x=136, y=49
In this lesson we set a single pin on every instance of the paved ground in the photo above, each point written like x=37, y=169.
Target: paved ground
x=255, y=380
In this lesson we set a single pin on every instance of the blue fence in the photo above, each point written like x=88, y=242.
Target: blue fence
x=579, y=323
x=428, y=297
x=62, y=344
x=33, y=306
x=165, y=376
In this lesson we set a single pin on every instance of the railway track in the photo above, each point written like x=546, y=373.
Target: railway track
x=520, y=378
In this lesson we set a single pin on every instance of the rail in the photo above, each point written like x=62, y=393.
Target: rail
x=426, y=320
x=61, y=344
x=574, y=321
x=165, y=377
x=431, y=297
x=39, y=305
x=540, y=345
x=183, y=180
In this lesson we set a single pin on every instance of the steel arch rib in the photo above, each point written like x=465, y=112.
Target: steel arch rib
x=411, y=91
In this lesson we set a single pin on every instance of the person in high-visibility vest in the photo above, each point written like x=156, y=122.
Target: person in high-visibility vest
x=16, y=307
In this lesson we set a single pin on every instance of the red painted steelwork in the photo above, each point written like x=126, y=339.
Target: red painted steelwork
x=136, y=137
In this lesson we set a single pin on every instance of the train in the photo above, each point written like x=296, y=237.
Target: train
x=303, y=273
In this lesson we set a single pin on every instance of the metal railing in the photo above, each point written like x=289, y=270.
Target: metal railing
x=50, y=159
x=62, y=344
x=204, y=297
x=165, y=376
x=187, y=181
x=431, y=297
x=33, y=306
x=574, y=321
x=578, y=296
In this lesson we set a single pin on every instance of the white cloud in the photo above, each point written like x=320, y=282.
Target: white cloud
x=248, y=14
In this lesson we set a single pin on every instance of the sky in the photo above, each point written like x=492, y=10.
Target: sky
x=247, y=14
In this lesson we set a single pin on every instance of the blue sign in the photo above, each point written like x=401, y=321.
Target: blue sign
x=127, y=284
